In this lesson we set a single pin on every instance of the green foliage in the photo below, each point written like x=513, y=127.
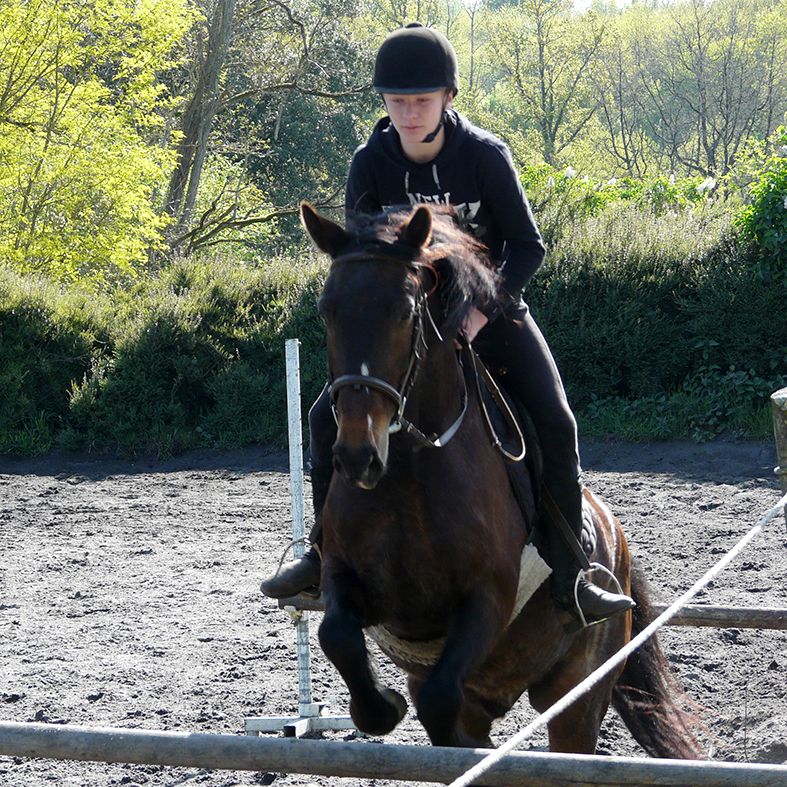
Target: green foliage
x=47, y=337
x=79, y=108
x=544, y=54
x=660, y=325
x=232, y=211
x=563, y=200
x=192, y=358
x=764, y=220
x=297, y=104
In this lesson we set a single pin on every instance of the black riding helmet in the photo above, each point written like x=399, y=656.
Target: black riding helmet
x=416, y=59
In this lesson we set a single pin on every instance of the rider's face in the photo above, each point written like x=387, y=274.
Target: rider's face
x=418, y=115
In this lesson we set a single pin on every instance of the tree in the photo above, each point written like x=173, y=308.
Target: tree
x=546, y=53
x=210, y=52
x=266, y=80
x=620, y=113
x=80, y=107
x=710, y=75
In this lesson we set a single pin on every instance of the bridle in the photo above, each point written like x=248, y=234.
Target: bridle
x=398, y=396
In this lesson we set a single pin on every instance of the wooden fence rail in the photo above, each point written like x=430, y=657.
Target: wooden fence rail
x=367, y=760
x=691, y=615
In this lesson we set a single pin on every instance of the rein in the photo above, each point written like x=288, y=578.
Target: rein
x=481, y=372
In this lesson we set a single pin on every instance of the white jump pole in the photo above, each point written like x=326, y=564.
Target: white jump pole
x=362, y=760
x=310, y=713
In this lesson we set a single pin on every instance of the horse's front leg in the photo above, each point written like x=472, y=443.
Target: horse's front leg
x=471, y=635
x=376, y=710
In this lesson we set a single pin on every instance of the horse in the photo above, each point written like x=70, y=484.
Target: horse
x=424, y=539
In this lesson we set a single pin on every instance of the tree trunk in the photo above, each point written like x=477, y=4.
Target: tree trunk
x=198, y=115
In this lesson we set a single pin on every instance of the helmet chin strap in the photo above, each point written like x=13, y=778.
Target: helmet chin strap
x=431, y=137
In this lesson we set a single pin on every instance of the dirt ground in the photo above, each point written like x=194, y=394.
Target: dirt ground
x=129, y=598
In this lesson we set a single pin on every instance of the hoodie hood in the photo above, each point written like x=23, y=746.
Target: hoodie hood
x=385, y=142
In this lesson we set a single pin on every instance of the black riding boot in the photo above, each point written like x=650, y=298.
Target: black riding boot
x=569, y=586
x=302, y=575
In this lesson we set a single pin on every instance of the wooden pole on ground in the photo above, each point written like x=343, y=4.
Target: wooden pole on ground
x=690, y=615
x=366, y=760
x=727, y=617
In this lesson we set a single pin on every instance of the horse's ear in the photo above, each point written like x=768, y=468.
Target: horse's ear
x=418, y=231
x=326, y=234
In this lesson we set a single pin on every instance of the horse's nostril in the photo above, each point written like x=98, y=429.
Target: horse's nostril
x=353, y=457
x=358, y=465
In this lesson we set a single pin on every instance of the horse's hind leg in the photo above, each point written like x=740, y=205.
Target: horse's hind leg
x=576, y=729
x=374, y=709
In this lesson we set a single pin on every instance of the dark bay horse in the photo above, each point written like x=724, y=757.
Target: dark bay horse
x=424, y=542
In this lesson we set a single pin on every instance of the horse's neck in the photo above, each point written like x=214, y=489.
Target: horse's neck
x=438, y=394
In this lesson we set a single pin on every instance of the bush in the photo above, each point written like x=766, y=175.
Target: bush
x=659, y=321
x=46, y=341
x=194, y=358
x=563, y=200
x=653, y=317
x=764, y=219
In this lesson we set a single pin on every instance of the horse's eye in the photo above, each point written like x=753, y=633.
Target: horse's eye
x=405, y=313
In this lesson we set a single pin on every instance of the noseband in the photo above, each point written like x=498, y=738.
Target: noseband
x=399, y=396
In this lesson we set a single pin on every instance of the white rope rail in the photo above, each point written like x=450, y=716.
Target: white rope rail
x=484, y=765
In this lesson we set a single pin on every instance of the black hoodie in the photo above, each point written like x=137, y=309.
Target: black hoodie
x=473, y=172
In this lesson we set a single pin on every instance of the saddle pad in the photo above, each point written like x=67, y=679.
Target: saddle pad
x=532, y=573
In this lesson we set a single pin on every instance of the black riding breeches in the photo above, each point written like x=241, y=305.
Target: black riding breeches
x=514, y=343
x=323, y=430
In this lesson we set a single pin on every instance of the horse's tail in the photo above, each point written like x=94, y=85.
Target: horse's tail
x=647, y=693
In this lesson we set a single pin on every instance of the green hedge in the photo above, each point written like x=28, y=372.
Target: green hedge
x=662, y=325
x=193, y=358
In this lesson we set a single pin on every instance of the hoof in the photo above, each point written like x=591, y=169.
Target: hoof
x=382, y=719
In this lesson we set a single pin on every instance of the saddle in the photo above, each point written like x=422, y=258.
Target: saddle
x=512, y=431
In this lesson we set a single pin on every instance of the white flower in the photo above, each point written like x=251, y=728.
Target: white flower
x=785, y=203
x=570, y=172
x=612, y=181
x=586, y=179
x=672, y=180
x=550, y=182
x=706, y=185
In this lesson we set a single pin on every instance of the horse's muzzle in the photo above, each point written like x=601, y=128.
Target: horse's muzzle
x=358, y=465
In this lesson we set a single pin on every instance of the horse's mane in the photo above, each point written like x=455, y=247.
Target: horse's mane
x=465, y=273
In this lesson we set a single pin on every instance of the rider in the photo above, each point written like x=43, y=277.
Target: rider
x=425, y=152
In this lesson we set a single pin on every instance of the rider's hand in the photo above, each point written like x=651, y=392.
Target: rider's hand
x=473, y=323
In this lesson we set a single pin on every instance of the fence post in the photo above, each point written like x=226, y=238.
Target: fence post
x=310, y=713
x=779, y=407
